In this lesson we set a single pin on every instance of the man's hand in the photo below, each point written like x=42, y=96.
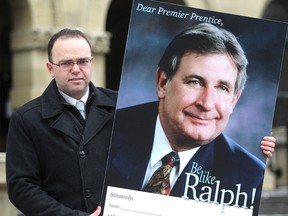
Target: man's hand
x=97, y=212
x=268, y=144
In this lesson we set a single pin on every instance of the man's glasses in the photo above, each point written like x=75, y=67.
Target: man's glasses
x=69, y=64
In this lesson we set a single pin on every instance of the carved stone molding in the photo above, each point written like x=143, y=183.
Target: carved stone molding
x=100, y=41
x=38, y=39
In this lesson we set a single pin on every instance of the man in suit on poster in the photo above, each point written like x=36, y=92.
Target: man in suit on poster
x=200, y=78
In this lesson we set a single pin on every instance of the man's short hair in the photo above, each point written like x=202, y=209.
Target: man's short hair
x=65, y=33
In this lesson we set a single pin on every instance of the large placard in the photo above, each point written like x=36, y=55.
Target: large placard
x=184, y=74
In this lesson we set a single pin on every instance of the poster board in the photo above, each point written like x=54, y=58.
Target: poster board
x=217, y=180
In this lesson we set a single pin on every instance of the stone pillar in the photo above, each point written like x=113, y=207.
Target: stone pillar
x=30, y=76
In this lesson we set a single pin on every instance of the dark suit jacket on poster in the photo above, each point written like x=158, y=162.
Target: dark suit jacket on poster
x=234, y=167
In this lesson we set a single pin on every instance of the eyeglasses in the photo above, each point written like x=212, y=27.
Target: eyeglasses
x=69, y=64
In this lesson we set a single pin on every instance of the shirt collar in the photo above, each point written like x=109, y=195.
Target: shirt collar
x=161, y=147
x=72, y=100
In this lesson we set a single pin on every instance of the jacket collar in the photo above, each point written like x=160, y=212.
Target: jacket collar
x=53, y=103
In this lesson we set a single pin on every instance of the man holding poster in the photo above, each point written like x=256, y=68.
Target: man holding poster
x=200, y=78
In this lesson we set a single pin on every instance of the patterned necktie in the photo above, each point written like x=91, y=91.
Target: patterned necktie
x=160, y=182
x=81, y=107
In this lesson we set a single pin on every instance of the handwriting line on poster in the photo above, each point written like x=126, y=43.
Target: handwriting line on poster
x=139, y=212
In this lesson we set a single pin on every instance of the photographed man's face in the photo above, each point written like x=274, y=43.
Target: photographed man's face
x=195, y=105
x=74, y=82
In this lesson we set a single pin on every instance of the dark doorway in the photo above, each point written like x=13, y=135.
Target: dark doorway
x=5, y=71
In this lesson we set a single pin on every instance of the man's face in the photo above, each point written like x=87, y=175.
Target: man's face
x=195, y=105
x=74, y=81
